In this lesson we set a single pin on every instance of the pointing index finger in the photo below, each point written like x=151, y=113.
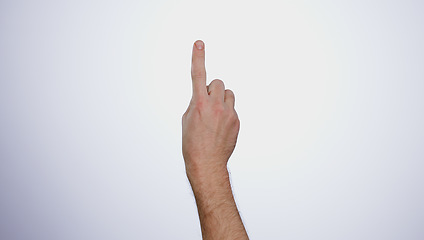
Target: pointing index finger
x=198, y=70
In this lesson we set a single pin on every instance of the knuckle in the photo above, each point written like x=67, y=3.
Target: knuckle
x=196, y=74
x=228, y=91
x=218, y=108
x=185, y=115
x=218, y=82
x=234, y=116
x=198, y=106
x=198, y=101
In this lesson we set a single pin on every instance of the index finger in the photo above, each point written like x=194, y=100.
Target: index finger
x=198, y=70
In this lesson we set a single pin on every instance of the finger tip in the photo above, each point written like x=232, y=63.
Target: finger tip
x=199, y=44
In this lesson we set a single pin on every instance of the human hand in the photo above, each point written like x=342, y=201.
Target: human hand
x=210, y=129
x=210, y=124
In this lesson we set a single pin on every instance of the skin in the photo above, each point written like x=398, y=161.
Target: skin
x=210, y=127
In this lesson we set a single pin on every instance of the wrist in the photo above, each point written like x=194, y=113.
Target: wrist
x=208, y=178
x=212, y=190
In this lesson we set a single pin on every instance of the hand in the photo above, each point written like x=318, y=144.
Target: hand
x=210, y=130
x=210, y=124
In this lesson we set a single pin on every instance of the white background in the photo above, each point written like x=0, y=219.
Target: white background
x=329, y=95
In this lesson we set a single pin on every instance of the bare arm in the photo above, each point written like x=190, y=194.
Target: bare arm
x=210, y=129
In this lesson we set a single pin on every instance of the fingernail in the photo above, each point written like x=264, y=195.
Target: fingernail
x=199, y=45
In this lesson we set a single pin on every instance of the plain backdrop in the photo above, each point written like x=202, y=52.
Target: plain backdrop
x=329, y=96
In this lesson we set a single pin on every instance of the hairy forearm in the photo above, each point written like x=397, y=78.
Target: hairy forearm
x=218, y=214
